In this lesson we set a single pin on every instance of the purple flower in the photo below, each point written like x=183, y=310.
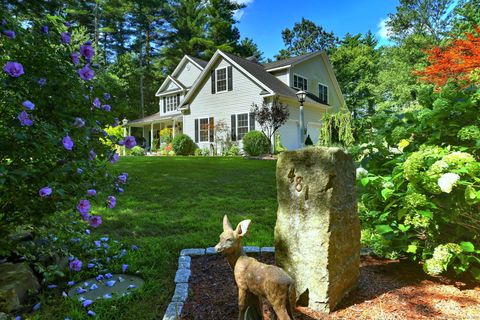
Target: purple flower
x=123, y=253
x=85, y=216
x=92, y=155
x=124, y=267
x=75, y=58
x=86, y=73
x=78, y=123
x=45, y=191
x=108, y=276
x=51, y=286
x=71, y=283
x=116, y=123
x=92, y=192
x=67, y=142
x=94, y=287
x=91, y=313
x=106, y=107
x=99, y=277
x=132, y=286
x=120, y=190
x=83, y=206
x=3, y=22
x=80, y=290
x=28, y=104
x=79, y=170
x=130, y=142
x=44, y=29
x=114, y=158
x=134, y=247
x=96, y=103
x=122, y=178
x=87, y=303
x=42, y=82
x=67, y=24
x=107, y=296
x=76, y=265
x=65, y=36
x=9, y=34
x=87, y=231
x=90, y=266
x=111, y=202
x=121, y=142
x=110, y=283
x=106, y=96
x=36, y=307
x=24, y=119
x=14, y=69
x=95, y=221
x=87, y=51
x=104, y=239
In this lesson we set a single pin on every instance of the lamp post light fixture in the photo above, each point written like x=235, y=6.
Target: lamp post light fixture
x=124, y=123
x=301, y=95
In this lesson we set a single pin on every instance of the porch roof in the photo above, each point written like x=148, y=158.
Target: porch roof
x=156, y=117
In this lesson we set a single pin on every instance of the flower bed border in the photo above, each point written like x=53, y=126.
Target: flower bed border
x=180, y=295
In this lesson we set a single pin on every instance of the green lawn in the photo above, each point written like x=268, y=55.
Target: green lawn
x=172, y=203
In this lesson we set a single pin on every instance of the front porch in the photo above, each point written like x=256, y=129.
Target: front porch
x=149, y=129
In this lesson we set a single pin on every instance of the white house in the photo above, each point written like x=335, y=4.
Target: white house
x=199, y=94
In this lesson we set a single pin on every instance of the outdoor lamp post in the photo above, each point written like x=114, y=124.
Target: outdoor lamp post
x=301, y=98
x=124, y=123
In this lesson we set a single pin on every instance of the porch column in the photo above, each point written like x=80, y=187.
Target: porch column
x=151, y=137
x=129, y=131
x=124, y=135
x=173, y=131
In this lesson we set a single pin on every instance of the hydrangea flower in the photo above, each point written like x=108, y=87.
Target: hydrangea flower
x=86, y=73
x=447, y=180
x=45, y=191
x=111, y=202
x=361, y=172
x=76, y=265
x=92, y=192
x=24, y=119
x=28, y=104
x=13, y=69
x=78, y=123
x=44, y=29
x=114, y=158
x=67, y=142
x=42, y=82
x=87, y=51
x=83, y=206
x=106, y=107
x=95, y=221
x=65, y=37
x=9, y=34
x=106, y=96
x=130, y=142
x=75, y=58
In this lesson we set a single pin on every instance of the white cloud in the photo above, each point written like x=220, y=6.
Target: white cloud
x=383, y=30
x=238, y=14
x=246, y=2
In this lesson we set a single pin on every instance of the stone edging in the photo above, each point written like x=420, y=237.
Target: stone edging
x=174, y=309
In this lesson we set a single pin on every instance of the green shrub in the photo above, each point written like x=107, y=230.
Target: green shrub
x=233, y=151
x=255, y=143
x=198, y=152
x=137, y=151
x=183, y=145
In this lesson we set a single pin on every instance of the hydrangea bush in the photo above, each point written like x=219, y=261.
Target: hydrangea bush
x=54, y=168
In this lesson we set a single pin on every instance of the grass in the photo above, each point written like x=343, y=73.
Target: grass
x=172, y=203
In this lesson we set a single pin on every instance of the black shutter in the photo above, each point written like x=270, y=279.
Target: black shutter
x=178, y=100
x=211, y=129
x=196, y=130
x=234, y=128
x=230, y=79
x=164, y=104
x=213, y=81
x=252, y=121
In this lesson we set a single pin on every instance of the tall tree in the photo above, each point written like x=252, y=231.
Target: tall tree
x=305, y=36
x=249, y=49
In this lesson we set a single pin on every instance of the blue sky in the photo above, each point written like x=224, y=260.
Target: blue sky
x=264, y=20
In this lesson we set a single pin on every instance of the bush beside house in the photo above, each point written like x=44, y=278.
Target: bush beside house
x=255, y=143
x=183, y=145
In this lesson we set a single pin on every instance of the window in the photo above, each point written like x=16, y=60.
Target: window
x=242, y=127
x=204, y=129
x=221, y=79
x=323, y=93
x=300, y=82
x=171, y=103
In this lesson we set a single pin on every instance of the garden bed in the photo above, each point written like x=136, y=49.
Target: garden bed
x=387, y=289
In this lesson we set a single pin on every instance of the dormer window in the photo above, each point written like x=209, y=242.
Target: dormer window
x=170, y=103
x=300, y=83
x=221, y=79
x=323, y=93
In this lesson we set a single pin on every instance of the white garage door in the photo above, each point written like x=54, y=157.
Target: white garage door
x=289, y=135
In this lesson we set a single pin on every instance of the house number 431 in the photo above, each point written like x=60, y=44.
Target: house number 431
x=298, y=181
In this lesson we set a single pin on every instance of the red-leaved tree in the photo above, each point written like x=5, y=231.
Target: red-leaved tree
x=457, y=61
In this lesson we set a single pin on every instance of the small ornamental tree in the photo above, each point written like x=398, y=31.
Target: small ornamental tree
x=270, y=116
x=53, y=163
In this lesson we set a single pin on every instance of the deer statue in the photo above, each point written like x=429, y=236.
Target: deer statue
x=254, y=279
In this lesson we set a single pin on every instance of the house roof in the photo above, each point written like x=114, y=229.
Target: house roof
x=199, y=61
x=151, y=118
x=290, y=61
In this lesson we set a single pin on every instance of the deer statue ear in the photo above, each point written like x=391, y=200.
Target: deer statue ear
x=226, y=224
x=242, y=228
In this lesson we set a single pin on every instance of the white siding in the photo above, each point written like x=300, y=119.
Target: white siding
x=188, y=74
x=315, y=71
x=282, y=75
x=222, y=105
x=172, y=86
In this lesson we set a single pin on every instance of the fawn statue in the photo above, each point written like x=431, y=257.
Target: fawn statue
x=255, y=280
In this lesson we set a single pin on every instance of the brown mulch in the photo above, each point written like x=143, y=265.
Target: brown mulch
x=387, y=289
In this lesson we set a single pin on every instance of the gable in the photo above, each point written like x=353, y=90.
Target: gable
x=188, y=73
